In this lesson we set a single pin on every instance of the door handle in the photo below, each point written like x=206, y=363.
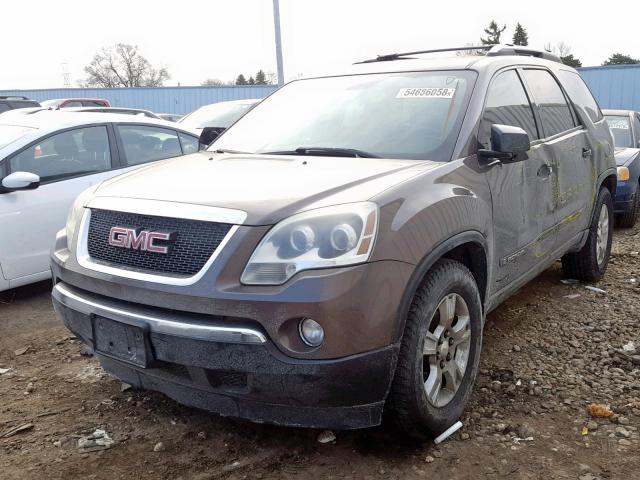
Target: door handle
x=545, y=170
x=586, y=152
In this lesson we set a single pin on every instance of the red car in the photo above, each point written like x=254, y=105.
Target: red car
x=76, y=102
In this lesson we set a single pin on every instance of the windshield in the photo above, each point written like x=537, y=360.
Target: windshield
x=621, y=130
x=11, y=133
x=221, y=115
x=409, y=115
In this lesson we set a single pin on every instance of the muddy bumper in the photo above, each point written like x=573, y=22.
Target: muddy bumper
x=233, y=370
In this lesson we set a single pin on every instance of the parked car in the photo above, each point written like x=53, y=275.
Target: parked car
x=218, y=116
x=16, y=102
x=170, y=117
x=334, y=253
x=48, y=158
x=625, y=128
x=120, y=110
x=75, y=102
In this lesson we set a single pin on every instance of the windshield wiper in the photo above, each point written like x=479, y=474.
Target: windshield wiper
x=225, y=150
x=326, y=151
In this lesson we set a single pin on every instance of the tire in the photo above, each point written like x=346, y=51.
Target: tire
x=629, y=218
x=409, y=408
x=586, y=265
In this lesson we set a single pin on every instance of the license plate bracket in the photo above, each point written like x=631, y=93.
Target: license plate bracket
x=122, y=341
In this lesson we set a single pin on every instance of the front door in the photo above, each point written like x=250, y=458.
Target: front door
x=521, y=190
x=67, y=163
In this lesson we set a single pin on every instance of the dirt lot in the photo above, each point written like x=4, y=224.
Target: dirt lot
x=549, y=352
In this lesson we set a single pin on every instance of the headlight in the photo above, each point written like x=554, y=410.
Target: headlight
x=321, y=238
x=76, y=211
x=623, y=174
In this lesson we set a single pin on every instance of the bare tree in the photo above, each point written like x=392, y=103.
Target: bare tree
x=123, y=66
x=563, y=51
x=212, y=82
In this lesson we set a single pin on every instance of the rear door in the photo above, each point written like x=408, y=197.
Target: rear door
x=67, y=162
x=572, y=152
x=520, y=189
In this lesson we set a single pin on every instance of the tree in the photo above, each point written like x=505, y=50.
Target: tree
x=493, y=34
x=241, y=80
x=520, y=36
x=212, y=82
x=123, y=66
x=621, y=59
x=563, y=51
x=261, y=78
x=251, y=81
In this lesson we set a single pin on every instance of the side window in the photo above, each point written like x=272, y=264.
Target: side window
x=580, y=94
x=4, y=107
x=189, y=144
x=555, y=113
x=88, y=103
x=71, y=104
x=67, y=154
x=146, y=144
x=507, y=104
x=636, y=127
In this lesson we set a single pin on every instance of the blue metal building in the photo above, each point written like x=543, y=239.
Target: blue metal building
x=614, y=86
x=157, y=99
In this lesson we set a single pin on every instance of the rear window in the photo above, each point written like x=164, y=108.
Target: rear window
x=620, y=127
x=11, y=133
x=580, y=94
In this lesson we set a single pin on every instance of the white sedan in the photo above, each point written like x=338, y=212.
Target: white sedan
x=48, y=157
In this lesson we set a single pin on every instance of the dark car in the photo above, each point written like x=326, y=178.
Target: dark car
x=625, y=128
x=334, y=253
x=14, y=102
x=75, y=102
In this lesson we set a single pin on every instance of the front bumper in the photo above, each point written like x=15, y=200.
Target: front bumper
x=232, y=370
x=625, y=191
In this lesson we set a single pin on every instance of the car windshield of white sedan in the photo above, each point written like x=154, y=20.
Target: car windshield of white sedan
x=11, y=133
x=409, y=115
x=621, y=130
x=220, y=115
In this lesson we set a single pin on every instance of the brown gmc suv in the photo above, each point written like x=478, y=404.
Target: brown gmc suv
x=332, y=256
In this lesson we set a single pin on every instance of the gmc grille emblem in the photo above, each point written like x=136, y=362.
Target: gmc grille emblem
x=139, y=239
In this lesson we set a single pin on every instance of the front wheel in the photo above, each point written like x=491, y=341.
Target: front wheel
x=440, y=353
x=590, y=263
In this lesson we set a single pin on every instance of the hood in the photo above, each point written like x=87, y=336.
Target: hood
x=267, y=187
x=625, y=155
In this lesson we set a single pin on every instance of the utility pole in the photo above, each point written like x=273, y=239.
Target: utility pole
x=276, y=24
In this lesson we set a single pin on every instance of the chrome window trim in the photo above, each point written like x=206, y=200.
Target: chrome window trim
x=175, y=325
x=84, y=259
x=160, y=208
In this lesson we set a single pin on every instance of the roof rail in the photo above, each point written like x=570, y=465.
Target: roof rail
x=492, y=51
x=14, y=97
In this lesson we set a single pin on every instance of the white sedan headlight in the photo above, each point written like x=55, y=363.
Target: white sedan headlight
x=76, y=211
x=325, y=237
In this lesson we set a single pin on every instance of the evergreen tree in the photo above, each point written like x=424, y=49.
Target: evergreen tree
x=241, y=80
x=261, y=78
x=621, y=59
x=251, y=81
x=493, y=34
x=520, y=36
x=571, y=61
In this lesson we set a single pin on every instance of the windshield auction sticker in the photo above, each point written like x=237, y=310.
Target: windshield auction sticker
x=426, y=92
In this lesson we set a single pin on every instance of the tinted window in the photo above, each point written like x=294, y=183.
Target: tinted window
x=189, y=144
x=66, y=154
x=4, y=107
x=554, y=111
x=396, y=115
x=71, y=104
x=620, y=127
x=146, y=144
x=580, y=94
x=92, y=104
x=507, y=104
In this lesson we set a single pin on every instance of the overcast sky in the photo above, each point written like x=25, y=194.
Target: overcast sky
x=196, y=39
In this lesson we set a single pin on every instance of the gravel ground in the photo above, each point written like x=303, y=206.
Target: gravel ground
x=549, y=352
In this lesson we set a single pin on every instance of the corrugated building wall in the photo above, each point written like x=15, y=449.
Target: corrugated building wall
x=614, y=86
x=157, y=99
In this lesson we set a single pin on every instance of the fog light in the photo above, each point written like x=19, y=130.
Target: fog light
x=311, y=332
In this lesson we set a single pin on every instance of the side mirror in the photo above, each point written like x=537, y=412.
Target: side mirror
x=20, y=181
x=209, y=134
x=506, y=143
